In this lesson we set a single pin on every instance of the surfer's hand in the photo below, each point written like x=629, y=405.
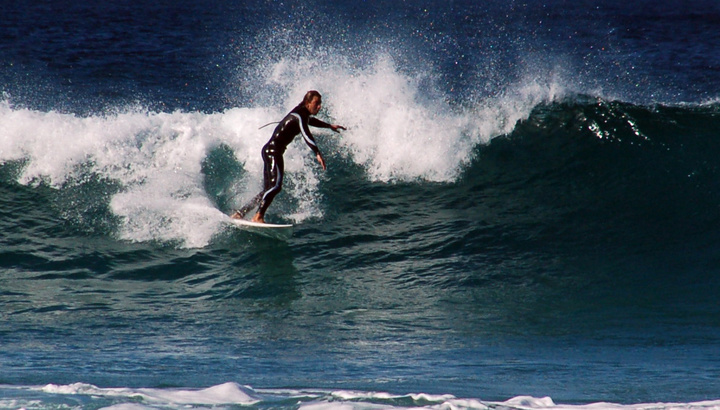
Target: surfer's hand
x=336, y=127
x=321, y=161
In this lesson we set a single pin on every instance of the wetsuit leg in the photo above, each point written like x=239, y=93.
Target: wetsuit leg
x=273, y=176
x=250, y=205
x=269, y=181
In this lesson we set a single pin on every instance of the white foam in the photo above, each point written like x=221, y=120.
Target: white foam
x=155, y=157
x=126, y=406
x=356, y=395
x=234, y=394
x=227, y=393
x=370, y=400
x=396, y=132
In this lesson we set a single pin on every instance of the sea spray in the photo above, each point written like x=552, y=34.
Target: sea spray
x=396, y=132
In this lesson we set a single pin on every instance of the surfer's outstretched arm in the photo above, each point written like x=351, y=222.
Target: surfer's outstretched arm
x=322, y=124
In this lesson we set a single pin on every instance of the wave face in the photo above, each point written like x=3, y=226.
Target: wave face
x=572, y=162
x=524, y=205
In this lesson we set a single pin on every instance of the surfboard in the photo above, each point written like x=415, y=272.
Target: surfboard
x=277, y=231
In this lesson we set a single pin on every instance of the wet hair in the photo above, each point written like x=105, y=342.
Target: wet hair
x=309, y=97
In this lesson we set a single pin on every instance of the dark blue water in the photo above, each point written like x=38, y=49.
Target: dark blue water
x=526, y=203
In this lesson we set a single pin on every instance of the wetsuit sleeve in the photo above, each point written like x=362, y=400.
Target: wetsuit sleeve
x=307, y=135
x=318, y=123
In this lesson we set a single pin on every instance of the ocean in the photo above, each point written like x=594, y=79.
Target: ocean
x=524, y=210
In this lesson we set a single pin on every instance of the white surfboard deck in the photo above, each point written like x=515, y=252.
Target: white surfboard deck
x=277, y=231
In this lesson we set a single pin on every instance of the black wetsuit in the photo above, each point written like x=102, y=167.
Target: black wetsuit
x=296, y=122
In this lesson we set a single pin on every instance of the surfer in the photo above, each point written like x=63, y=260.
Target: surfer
x=296, y=122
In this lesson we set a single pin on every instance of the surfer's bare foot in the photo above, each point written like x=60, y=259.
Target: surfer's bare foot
x=258, y=218
x=237, y=215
